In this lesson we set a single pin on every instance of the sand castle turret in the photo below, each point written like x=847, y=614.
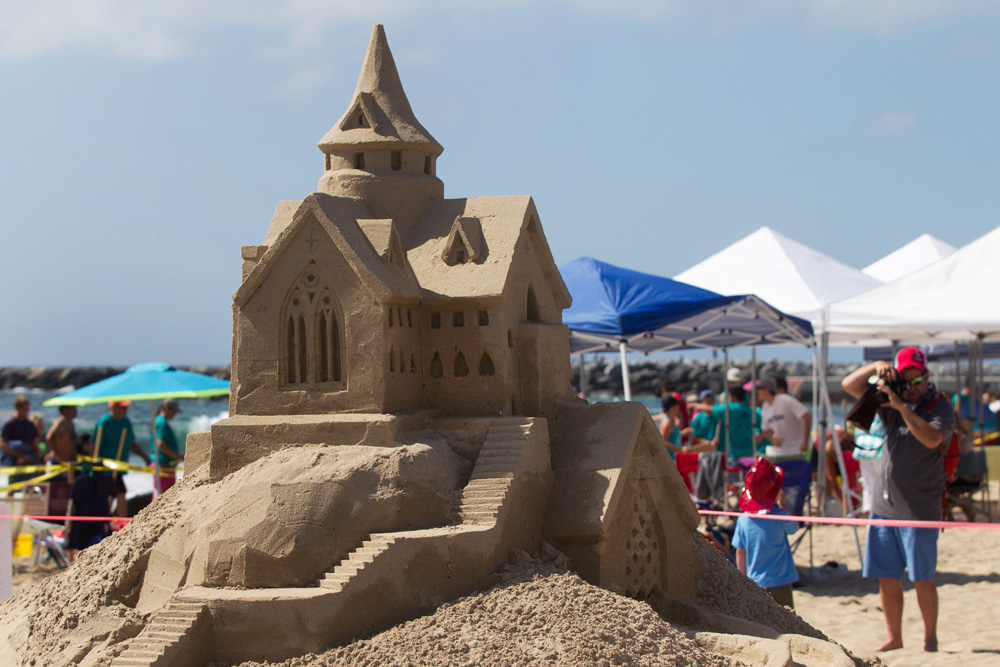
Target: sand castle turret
x=378, y=151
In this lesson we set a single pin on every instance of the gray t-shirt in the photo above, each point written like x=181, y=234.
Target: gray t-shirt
x=912, y=478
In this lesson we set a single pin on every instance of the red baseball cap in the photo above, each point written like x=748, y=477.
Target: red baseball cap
x=911, y=357
x=761, y=487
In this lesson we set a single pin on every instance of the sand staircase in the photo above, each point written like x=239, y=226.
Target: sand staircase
x=481, y=501
x=355, y=562
x=409, y=572
x=160, y=642
x=493, y=473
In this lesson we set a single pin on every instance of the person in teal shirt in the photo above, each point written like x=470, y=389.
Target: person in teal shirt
x=740, y=424
x=168, y=453
x=114, y=438
x=703, y=426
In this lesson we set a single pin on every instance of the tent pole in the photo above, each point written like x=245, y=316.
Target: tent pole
x=625, y=382
x=754, y=422
x=725, y=363
x=818, y=386
x=843, y=469
x=958, y=379
x=980, y=354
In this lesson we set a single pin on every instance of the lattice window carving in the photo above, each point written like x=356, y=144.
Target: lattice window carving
x=642, y=550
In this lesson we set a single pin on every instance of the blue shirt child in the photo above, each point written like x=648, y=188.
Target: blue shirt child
x=769, y=558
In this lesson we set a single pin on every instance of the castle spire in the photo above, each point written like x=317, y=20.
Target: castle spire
x=378, y=151
x=379, y=112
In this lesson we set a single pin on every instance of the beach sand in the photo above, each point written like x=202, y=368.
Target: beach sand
x=848, y=610
x=607, y=627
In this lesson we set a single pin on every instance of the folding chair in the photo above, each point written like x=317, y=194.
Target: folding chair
x=798, y=490
x=971, y=477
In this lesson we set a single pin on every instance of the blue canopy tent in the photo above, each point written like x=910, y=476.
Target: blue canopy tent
x=616, y=308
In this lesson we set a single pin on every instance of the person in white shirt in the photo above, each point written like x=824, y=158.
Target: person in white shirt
x=785, y=422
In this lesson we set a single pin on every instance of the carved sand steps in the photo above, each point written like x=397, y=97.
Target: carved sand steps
x=480, y=504
x=160, y=643
x=409, y=572
x=347, y=569
x=498, y=461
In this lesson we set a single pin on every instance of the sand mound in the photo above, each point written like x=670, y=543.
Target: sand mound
x=540, y=615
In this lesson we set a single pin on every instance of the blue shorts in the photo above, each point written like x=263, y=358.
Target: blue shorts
x=890, y=550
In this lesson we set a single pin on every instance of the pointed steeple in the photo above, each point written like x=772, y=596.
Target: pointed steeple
x=378, y=151
x=379, y=112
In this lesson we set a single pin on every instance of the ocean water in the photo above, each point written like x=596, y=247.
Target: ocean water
x=196, y=415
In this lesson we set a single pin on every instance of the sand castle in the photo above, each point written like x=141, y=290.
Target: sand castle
x=401, y=423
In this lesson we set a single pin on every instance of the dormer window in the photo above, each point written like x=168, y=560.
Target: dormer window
x=464, y=243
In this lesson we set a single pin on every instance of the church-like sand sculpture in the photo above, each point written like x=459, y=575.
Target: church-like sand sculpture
x=402, y=426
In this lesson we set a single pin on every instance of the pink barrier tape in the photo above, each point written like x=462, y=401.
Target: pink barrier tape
x=860, y=522
x=66, y=518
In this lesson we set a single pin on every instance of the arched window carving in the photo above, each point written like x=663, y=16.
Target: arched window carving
x=392, y=360
x=311, y=338
x=461, y=367
x=486, y=365
x=436, y=368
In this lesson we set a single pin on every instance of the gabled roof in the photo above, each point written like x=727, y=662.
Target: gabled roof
x=379, y=112
x=384, y=238
x=790, y=276
x=338, y=217
x=505, y=223
x=918, y=253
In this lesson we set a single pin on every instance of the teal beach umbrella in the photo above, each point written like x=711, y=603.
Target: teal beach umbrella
x=146, y=382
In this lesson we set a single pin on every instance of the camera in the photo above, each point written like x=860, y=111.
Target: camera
x=897, y=386
x=864, y=410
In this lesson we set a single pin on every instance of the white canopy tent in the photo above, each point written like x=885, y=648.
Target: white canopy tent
x=790, y=276
x=951, y=299
x=918, y=253
x=797, y=280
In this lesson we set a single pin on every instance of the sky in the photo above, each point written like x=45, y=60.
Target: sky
x=143, y=143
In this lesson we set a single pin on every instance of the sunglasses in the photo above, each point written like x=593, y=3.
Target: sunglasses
x=915, y=381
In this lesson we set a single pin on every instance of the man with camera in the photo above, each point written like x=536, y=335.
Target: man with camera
x=918, y=423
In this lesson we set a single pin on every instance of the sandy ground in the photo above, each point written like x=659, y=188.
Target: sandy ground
x=849, y=611
x=27, y=573
x=847, y=608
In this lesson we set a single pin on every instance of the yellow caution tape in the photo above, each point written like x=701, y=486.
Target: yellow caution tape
x=51, y=471
x=55, y=472
x=989, y=437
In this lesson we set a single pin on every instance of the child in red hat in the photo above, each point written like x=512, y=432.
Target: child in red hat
x=762, y=551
